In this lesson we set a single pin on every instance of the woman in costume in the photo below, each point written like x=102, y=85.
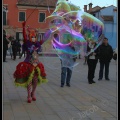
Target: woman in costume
x=30, y=72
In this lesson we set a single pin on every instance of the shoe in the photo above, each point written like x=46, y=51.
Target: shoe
x=33, y=97
x=90, y=82
x=99, y=79
x=93, y=81
x=68, y=85
x=62, y=86
x=29, y=100
x=107, y=79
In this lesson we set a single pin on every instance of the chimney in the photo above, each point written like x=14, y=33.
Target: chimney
x=85, y=8
x=90, y=6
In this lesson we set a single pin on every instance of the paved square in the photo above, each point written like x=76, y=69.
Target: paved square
x=81, y=101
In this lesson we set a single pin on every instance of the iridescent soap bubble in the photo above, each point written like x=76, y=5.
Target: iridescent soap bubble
x=70, y=29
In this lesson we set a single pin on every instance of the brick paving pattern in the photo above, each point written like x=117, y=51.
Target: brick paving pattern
x=82, y=101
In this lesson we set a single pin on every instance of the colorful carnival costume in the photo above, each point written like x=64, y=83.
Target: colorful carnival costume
x=30, y=72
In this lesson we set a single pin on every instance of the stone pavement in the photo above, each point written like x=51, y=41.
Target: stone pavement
x=81, y=101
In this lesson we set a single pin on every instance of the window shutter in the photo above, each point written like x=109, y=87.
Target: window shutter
x=4, y=18
x=17, y=35
x=21, y=16
x=41, y=17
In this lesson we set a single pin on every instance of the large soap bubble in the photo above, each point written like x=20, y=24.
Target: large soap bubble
x=70, y=29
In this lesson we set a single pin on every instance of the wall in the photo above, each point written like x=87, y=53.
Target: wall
x=110, y=31
x=14, y=27
x=13, y=11
x=108, y=10
x=110, y=28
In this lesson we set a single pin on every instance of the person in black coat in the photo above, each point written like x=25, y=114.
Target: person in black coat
x=18, y=47
x=92, y=60
x=105, y=56
x=5, y=46
x=14, y=48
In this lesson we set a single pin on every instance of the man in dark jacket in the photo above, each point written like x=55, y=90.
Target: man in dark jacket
x=105, y=56
x=18, y=47
x=5, y=45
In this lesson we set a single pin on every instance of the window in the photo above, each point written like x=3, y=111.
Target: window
x=40, y=36
x=4, y=18
x=19, y=35
x=21, y=16
x=41, y=17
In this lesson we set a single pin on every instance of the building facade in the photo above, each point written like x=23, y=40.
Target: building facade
x=32, y=11
x=108, y=15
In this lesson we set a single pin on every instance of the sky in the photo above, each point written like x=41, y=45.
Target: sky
x=100, y=3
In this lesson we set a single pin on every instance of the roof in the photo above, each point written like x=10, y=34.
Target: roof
x=98, y=8
x=111, y=5
x=43, y=3
x=107, y=18
x=95, y=9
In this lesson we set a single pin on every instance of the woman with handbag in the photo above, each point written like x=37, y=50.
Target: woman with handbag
x=92, y=60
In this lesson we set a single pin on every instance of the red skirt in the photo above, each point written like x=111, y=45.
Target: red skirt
x=25, y=73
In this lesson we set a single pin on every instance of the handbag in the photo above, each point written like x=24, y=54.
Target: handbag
x=115, y=56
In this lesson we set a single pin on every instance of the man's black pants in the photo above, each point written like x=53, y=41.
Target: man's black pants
x=102, y=64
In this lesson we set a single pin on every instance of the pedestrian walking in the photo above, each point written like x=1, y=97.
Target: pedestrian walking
x=14, y=48
x=18, y=47
x=5, y=45
x=10, y=49
x=23, y=51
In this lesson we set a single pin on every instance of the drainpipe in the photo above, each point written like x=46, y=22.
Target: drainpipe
x=104, y=29
x=113, y=24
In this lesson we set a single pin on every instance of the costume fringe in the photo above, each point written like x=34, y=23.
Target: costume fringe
x=40, y=79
